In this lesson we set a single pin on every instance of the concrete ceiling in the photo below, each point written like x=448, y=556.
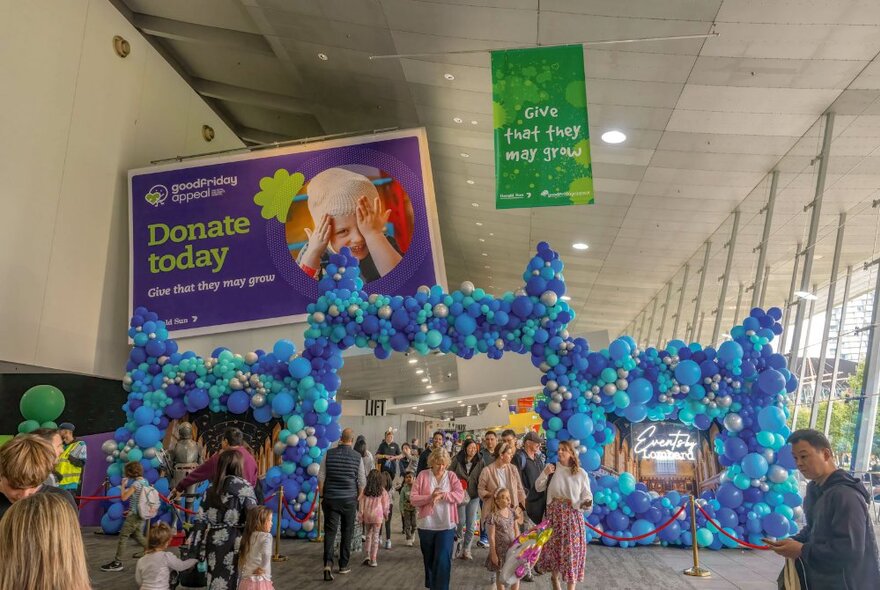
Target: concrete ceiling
x=706, y=120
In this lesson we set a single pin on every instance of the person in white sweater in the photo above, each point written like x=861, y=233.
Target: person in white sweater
x=568, y=496
x=154, y=568
x=255, y=555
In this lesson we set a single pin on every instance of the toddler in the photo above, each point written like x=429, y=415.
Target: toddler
x=374, y=506
x=407, y=510
x=255, y=555
x=154, y=569
x=133, y=526
x=502, y=532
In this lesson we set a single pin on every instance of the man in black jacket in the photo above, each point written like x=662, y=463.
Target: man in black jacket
x=436, y=443
x=836, y=550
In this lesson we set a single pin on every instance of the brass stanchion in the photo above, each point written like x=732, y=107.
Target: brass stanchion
x=696, y=571
x=277, y=556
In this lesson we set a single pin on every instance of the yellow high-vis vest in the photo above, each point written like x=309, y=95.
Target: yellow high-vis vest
x=70, y=473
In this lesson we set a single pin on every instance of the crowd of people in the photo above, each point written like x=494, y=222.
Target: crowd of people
x=490, y=486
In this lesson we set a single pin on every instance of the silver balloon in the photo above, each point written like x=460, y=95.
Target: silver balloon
x=566, y=395
x=582, y=449
x=499, y=343
x=661, y=398
x=258, y=400
x=798, y=512
x=621, y=384
x=556, y=396
x=313, y=469
x=549, y=298
x=319, y=317
x=562, y=389
x=724, y=401
x=373, y=298
x=777, y=474
x=279, y=448
x=610, y=389
x=108, y=446
x=235, y=384
x=150, y=453
x=441, y=311
x=554, y=407
x=764, y=487
x=312, y=440
x=622, y=373
x=685, y=388
x=337, y=277
x=251, y=357
x=122, y=456
x=733, y=422
x=552, y=385
x=520, y=292
x=595, y=389
x=467, y=288
x=769, y=455
x=308, y=525
x=352, y=309
x=310, y=430
x=755, y=483
x=301, y=498
x=333, y=311
x=424, y=290
x=544, y=367
x=292, y=440
x=384, y=312
x=111, y=459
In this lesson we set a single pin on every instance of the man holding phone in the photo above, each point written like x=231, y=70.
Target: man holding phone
x=837, y=548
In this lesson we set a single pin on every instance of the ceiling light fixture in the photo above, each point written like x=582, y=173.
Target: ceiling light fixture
x=469, y=181
x=457, y=120
x=424, y=379
x=482, y=239
x=491, y=235
x=422, y=410
x=580, y=246
x=420, y=371
x=487, y=266
x=614, y=136
x=805, y=295
x=474, y=122
x=415, y=407
x=413, y=361
x=464, y=155
x=479, y=224
x=475, y=204
x=483, y=254
x=449, y=76
x=323, y=56
x=566, y=298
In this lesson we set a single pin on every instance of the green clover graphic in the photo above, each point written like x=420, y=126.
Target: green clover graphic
x=277, y=192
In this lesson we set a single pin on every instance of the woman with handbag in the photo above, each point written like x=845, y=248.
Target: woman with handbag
x=568, y=496
x=220, y=521
x=467, y=466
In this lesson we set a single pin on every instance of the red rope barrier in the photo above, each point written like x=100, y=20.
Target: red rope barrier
x=640, y=537
x=170, y=503
x=307, y=516
x=728, y=535
x=86, y=499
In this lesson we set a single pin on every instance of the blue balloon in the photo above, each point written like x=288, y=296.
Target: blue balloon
x=754, y=465
x=580, y=426
x=688, y=372
x=735, y=448
x=238, y=402
x=775, y=524
x=111, y=526
x=591, y=460
x=282, y=403
x=640, y=391
x=771, y=418
x=729, y=496
x=619, y=349
x=146, y=436
x=730, y=351
x=639, y=528
x=771, y=382
x=144, y=415
x=284, y=349
x=299, y=367
x=639, y=502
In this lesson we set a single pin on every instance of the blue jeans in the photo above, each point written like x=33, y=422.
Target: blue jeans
x=484, y=534
x=467, y=515
x=437, y=555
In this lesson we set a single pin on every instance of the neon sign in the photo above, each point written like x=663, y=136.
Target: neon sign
x=671, y=444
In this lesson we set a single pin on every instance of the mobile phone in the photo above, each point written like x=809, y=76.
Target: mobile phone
x=769, y=542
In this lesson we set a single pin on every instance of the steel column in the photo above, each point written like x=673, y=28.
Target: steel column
x=699, y=333
x=764, y=285
x=840, y=331
x=725, y=279
x=786, y=312
x=739, y=300
x=651, y=323
x=660, y=342
x=823, y=349
x=684, y=282
x=699, y=299
x=810, y=249
x=867, y=416
x=803, y=368
x=765, y=238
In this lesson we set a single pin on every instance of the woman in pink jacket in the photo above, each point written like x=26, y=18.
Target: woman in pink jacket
x=437, y=494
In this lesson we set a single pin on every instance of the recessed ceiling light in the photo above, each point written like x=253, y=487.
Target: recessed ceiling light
x=419, y=371
x=464, y=155
x=474, y=122
x=566, y=298
x=424, y=379
x=323, y=56
x=449, y=76
x=457, y=120
x=487, y=266
x=579, y=246
x=469, y=181
x=461, y=402
x=805, y=295
x=614, y=136
x=413, y=361
x=479, y=224
x=483, y=254
x=482, y=239
x=422, y=410
x=475, y=204
x=415, y=407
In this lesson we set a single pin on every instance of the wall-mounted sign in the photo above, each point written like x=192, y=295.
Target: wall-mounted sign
x=374, y=407
x=666, y=442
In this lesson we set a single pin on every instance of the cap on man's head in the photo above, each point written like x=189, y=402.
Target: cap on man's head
x=66, y=426
x=336, y=191
x=533, y=436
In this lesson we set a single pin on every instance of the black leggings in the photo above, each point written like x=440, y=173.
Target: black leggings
x=388, y=523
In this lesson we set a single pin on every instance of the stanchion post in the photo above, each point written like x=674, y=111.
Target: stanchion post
x=319, y=518
x=277, y=556
x=695, y=571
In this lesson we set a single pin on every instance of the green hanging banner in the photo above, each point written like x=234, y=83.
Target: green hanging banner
x=542, y=136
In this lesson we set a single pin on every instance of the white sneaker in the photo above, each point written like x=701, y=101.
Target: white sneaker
x=388, y=544
x=409, y=542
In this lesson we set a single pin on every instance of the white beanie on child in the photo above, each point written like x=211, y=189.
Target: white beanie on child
x=336, y=191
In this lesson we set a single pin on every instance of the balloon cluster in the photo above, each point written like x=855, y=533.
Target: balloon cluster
x=523, y=554
x=40, y=405
x=742, y=385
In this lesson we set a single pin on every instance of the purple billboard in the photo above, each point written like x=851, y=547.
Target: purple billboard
x=241, y=241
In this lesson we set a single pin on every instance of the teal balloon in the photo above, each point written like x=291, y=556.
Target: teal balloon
x=704, y=537
x=555, y=423
x=621, y=399
x=43, y=403
x=766, y=439
x=627, y=483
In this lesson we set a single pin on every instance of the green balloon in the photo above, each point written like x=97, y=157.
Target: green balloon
x=49, y=424
x=42, y=403
x=28, y=426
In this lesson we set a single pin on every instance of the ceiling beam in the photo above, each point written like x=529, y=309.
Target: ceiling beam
x=257, y=98
x=258, y=136
x=181, y=31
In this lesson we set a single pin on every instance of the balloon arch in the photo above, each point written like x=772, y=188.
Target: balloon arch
x=742, y=385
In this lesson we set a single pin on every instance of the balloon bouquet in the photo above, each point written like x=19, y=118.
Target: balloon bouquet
x=40, y=405
x=523, y=554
